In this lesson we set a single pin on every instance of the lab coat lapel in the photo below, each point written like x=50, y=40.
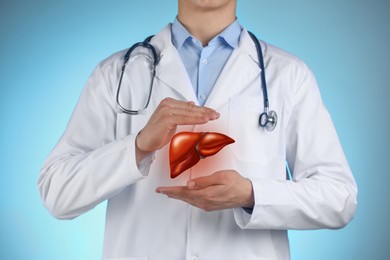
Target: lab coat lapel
x=170, y=69
x=241, y=68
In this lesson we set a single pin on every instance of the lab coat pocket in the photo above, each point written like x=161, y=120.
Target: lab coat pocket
x=253, y=143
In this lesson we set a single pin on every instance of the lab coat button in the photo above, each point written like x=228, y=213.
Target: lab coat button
x=195, y=258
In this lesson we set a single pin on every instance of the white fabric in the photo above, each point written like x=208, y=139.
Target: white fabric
x=95, y=161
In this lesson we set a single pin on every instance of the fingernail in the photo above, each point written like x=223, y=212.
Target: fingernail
x=213, y=114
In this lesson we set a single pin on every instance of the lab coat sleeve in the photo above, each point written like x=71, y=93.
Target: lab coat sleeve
x=323, y=191
x=88, y=165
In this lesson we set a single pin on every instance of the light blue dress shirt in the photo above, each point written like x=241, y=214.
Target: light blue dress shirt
x=205, y=64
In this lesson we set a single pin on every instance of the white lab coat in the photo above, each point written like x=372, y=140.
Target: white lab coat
x=95, y=161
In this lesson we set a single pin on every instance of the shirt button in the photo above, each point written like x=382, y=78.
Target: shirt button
x=203, y=97
x=205, y=61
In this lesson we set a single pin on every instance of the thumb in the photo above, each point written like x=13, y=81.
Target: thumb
x=203, y=182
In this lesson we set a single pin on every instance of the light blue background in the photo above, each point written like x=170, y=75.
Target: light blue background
x=49, y=48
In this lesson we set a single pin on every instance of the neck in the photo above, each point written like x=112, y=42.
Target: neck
x=206, y=23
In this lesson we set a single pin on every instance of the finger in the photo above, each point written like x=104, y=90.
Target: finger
x=206, y=199
x=204, y=182
x=185, y=199
x=188, y=107
x=179, y=192
x=186, y=120
x=178, y=103
x=171, y=189
x=195, y=112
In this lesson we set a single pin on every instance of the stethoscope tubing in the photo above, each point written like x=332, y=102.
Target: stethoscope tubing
x=147, y=45
x=267, y=119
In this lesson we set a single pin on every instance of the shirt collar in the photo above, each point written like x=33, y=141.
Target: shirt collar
x=179, y=34
x=231, y=35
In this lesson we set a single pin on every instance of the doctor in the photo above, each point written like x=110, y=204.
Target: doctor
x=234, y=205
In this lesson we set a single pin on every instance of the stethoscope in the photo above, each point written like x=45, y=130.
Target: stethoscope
x=268, y=119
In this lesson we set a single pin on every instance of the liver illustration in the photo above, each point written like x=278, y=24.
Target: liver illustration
x=187, y=148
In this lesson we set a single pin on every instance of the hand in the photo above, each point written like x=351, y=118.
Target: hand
x=163, y=123
x=221, y=190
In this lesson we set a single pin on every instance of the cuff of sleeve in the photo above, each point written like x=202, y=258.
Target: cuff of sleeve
x=144, y=165
x=244, y=216
x=137, y=169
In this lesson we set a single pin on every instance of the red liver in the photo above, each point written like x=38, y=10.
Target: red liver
x=187, y=148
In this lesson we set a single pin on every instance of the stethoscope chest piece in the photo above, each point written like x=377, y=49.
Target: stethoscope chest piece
x=268, y=120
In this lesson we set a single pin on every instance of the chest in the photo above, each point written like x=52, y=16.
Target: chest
x=254, y=148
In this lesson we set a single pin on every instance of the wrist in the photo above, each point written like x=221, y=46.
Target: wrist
x=141, y=153
x=249, y=201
